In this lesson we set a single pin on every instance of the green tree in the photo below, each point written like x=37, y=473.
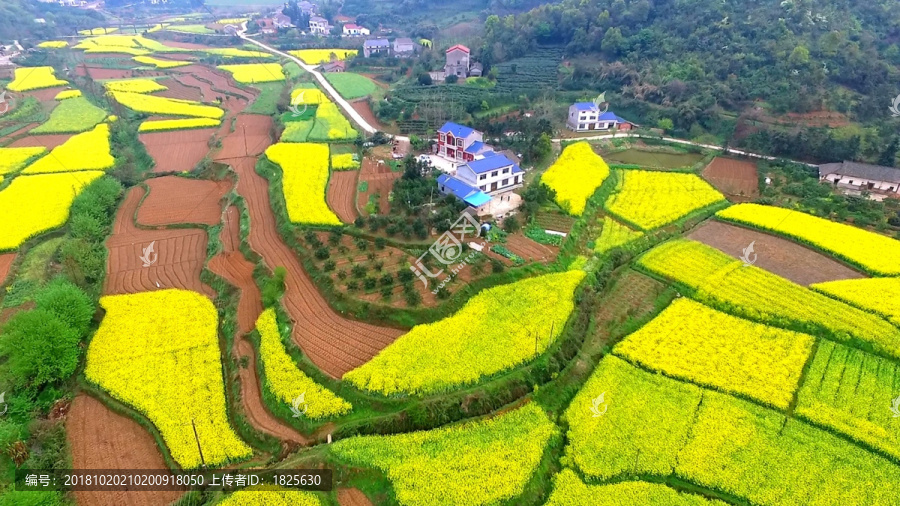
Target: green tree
x=665, y=124
x=613, y=41
x=799, y=57
x=889, y=155
x=69, y=303
x=40, y=349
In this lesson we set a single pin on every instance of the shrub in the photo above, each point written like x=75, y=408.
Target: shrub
x=387, y=279
x=380, y=242
x=358, y=271
x=386, y=292
x=328, y=266
x=413, y=298
x=497, y=266
x=369, y=283
x=322, y=253
x=69, y=303
x=40, y=348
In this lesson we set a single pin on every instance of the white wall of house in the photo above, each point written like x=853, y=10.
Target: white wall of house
x=862, y=184
x=582, y=121
x=495, y=181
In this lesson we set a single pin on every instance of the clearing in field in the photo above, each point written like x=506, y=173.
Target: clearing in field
x=778, y=255
x=650, y=199
x=351, y=86
x=879, y=295
x=35, y=78
x=72, y=115
x=726, y=284
x=873, y=252
x=525, y=318
x=316, y=56
x=484, y=462
x=653, y=159
x=177, y=151
x=34, y=204
x=575, y=176
x=733, y=177
x=305, y=177
x=251, y=73
x=175, y=199
x=701, y=345
x=569, y=490
x=175, y=382
x=164, y=125
x=284, y=380
x=86, y=151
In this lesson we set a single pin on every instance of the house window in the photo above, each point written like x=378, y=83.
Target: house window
x=443, y=138
x=581, y=126
x=518, y=179
x=851, y=181
x=481, y=177
x=459, y=142
x=481, y=187
x=506, y=170
x=494, y=174
x=891, y=188
x=505, y=182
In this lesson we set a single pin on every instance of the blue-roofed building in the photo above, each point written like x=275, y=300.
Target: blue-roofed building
x=460, y=144
x=376, y=47
x=492, y=174
x=473, y=197
x=587, y=116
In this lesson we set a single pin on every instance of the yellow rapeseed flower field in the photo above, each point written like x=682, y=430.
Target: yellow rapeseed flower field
x=701, y=345
x=53, y=44
x=652, y=199
x=271, y=496
x=470, y=464
x=85, y=151
x=13, y=159
x=316, y=56
x=575, y=176
x=34, y=204
x=233, y=52
x=134, y=86
x=344, y=161
x=879, y=295
x=286, y=381
x=159, y=63
x=177, y=124
x=232, y=21
x=67, y=94
x=305, y=169
x=98, y=31
x=151, y=104
x=35, y=78
x=250, y=73
x=331, y=125
x=873, y=252
x=496, y=330
x=613, y=235
x=308, y=96
x=569, y=490
x=723, y=282
x=159, y=352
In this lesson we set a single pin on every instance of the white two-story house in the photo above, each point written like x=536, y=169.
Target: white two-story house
x=319, y=26
x=586, y=116
x=481, y=180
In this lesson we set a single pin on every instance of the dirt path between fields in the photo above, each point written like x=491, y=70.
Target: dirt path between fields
x=352, y=497
x=341, y=195
x=6, y=261
x=335, y=344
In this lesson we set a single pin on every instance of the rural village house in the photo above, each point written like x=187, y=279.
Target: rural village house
x=854, y=178
x=459, y=143
x=281, y=20
x=266, y=25
x=457, y=61
x=333, y=66
x=404, y=46
x=354, y=30
x=483, y=182
x=586, y=117
x=319, y=26
x=376, y=47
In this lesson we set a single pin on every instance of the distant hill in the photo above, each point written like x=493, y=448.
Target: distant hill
x=17, y=20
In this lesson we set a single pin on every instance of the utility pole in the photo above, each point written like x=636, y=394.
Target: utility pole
x=199, y=449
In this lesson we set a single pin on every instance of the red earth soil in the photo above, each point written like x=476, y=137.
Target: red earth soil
x=180, y=255
x=179, y=90
x=184, y=45
x=101, y=439
x=364, y=110
x=179, y=150
x=174, y=199
x=45, y=94
x=335, y=344
x=48, y=141
x=352, y=497
x=381, y=181
x=97, y=73
x=252, y=135
x=529, y=249
x=231, y=265
x=220, y=81
x=6, y=260
x=733, y=177
x=21, y=131
x=774, y=254
x=342, y=194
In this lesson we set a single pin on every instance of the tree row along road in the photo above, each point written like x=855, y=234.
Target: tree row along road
x=356, y=117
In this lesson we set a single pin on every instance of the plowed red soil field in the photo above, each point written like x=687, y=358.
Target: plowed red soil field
x=179, y=255
x=98, y=73
x=774, y=254
x=215, y=82
x=341, y=196
x=45, y=94
x=530, y=250
x=179, y=150
x=48, y=141
x=18, y=132
x=352, y=497
x=179, y=91
x=101, y=439
x=6, y=261
x=381, y=181
x=733, y=177
x=231, y=265
x=174, y=199
x=335, y=344
x=252, y=135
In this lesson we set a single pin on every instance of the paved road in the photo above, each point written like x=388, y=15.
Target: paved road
x=335, y=96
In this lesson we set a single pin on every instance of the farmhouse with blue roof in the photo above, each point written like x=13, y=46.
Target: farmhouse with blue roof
x=460, y=144
x=481, y=181
x=587, y=117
